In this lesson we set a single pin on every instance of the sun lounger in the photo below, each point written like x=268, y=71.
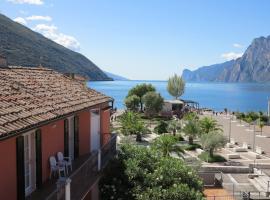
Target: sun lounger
x=256, y=155
x=240, y=149
x=259, y=150
x=233, y=156
x=229, y=145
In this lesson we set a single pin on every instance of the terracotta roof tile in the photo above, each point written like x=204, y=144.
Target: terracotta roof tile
x=29, y=96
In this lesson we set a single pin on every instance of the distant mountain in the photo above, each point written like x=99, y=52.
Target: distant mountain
x=207, y=73
x=253, y=66
x=24, y=47
x=116, y=77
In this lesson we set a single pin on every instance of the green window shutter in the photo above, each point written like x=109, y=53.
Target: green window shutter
x=76, y=136
x=38, y=159
x=20, y=168
x=66, y=133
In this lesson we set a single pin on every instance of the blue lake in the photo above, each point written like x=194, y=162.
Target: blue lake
x=234, y=96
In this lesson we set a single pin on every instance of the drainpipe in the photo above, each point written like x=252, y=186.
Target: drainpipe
x=99, y=160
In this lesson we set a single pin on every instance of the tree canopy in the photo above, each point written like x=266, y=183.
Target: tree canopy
x=176, y=86
x=208, y=125
x=153, y=103
x=162, y=127
x=212, y=141
x=132, y=102
x=140, y=173
x=166, y=144
x=140, y=90
x=192, y=130
x=131, y=123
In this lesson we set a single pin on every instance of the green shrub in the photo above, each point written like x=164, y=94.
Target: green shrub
x=179, y=137
x=140, y=173
x=192, y=147
x=215, y=158
x=161, y=128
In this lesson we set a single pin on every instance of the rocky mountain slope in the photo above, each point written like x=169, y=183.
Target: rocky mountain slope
x=253, y=66
x=24, y=47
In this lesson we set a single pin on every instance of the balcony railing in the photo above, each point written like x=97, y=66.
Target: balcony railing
x=84, y=177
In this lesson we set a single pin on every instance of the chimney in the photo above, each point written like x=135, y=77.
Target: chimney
x=3, y=62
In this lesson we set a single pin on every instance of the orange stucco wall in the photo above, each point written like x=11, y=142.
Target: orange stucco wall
x=105, y=125
x=52, y=142
x=84, y=132
x=8, y=187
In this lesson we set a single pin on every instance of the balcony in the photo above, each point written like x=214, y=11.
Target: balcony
x=86, y=171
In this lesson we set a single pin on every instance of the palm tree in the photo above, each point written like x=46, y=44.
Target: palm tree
x=260, y=124
x=208, y=124
x=166, y=144
x=131, y=124
x=176, y=86
x=174, y=126
x=192, y=130
x=248, y=120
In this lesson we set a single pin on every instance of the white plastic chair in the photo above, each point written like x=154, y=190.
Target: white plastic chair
x=56, y=168
x=65, y=161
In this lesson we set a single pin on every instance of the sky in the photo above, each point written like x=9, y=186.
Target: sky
x=147, y=39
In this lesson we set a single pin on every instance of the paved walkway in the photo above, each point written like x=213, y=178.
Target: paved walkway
x=245, y=133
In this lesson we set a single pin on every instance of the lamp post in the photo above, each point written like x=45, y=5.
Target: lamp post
x=268, y=110
x=254, y=137
x=230, y=129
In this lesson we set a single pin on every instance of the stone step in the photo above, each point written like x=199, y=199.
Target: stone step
x=257, y=186
x=261, y=182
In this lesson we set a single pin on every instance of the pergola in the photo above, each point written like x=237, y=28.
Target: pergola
x=191, y=103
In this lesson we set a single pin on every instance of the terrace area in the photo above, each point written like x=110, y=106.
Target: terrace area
x=86, y=172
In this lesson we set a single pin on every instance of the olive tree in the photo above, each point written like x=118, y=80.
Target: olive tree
x=153, y=103
x=140, y=90
x=212, y=141
x=132, y=102
x=176, y=86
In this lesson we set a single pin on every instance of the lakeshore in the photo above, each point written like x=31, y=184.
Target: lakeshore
x=242, y=97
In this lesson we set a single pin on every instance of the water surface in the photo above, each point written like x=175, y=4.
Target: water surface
x=234, y=96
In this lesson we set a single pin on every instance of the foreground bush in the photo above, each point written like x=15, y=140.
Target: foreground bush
x=192, y=147
x=210, y=159
x=141, y=173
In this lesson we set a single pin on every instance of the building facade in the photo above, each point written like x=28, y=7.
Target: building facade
x=43, y=112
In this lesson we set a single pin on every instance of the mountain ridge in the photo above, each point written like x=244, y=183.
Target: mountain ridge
x=24, y=47
x=253, y=66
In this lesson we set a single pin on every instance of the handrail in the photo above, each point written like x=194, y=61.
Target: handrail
x=88, y=172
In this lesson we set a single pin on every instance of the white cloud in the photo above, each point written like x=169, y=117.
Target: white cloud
x=231, y=55
x=20, y=20
x=23, y=12
x=51, y=32
x=33, y=2
x=39, y=17
x=236, y=45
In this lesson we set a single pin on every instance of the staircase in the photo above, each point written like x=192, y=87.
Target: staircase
x=261, y=181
